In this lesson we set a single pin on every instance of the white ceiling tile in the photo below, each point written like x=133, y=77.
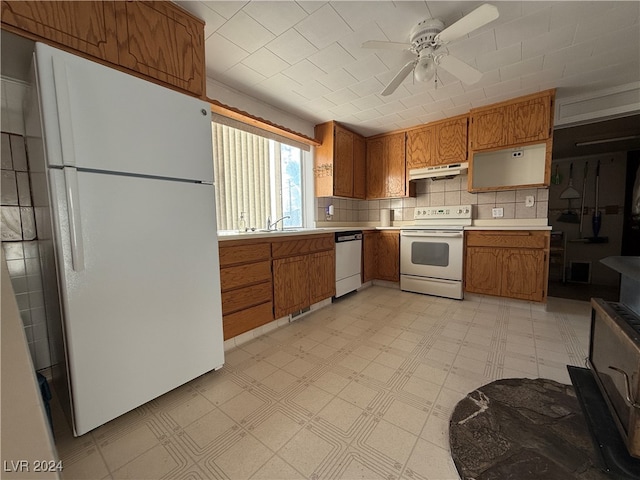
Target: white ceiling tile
x=624, y=15
x=276, y=20
x=342, y=96
x=279, y=83
x=569, y=13
x=303, y=71
x=398, y=94
x=432, y=116
x=341, y=110
x=547, y=42
x=319, y=104
x=291, y=47
x=242, y=74
x=337, y=79
x=310, y=6
x=520, y=69
x=368, y=102
x=245, y=32
x=312, y=89
x=221, y=54
x=331, y=57
x=468, y=97
x=323, y=27
x=226, y=9
x=502, y=88
x=423, y=99
x=541, y=77
x=212, y=19
x=566, y=55
x=366, y=115
x=352, y=42
x=488, y=78
x=466, y=49
x=368, y=87
x=615, y=38
x=398, y=24
x=358, y=17
x=414, y=111
x=265, y=62
x=457, y=110
x=499, y=58
x=523, y=28
x=595, y=62
x=395, y=59
x=391, y=107
x=448, y=91
x=366, y=67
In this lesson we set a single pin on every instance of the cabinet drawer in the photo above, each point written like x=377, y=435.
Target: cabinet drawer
x=302, y=245
x=242, y=298
x=245, y=320
x=244, y=254
x=508, y=238
x=241, y=275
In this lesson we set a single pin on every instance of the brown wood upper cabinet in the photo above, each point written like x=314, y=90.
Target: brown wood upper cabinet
x=519, y=121
x=339, y=163
x=438, y=143
x=386, y=167
x=157, y=40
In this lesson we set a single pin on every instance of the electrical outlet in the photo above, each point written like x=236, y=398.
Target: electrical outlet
x=517, y=154
x=497, y=212
x=529, y=201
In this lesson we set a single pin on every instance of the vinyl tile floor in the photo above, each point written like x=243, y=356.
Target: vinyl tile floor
x=360, y=389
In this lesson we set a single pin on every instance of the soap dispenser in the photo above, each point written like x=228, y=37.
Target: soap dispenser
x=242, y=224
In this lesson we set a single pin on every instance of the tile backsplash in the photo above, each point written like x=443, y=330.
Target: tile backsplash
x=436, y=193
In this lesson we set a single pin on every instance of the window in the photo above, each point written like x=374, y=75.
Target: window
x=257, y=178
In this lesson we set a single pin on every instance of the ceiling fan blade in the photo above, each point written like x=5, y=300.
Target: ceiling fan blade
x=480, y=16
x=385, y=45
x=459, y=69
x=397, y=80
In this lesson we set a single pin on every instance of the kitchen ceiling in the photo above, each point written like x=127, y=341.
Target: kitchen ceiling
x=306, y=58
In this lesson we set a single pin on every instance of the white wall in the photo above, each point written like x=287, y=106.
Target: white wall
x=13, y=93
x=258, y=108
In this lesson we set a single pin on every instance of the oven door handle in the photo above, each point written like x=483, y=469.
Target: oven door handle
x=433, y=234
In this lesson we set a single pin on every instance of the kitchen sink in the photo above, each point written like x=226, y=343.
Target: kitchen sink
x=264, y=230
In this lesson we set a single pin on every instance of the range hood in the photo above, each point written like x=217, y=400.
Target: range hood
x=440, y=172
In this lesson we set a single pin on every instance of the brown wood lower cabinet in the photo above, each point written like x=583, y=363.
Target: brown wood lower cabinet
x=381, y=255
x=305, y=274
x=507, y=263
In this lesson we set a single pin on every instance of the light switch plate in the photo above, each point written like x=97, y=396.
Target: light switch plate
x=529, y=201
x=497, y=212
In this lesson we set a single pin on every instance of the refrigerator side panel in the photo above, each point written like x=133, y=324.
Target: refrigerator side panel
x=103, y=119
x=143, y=309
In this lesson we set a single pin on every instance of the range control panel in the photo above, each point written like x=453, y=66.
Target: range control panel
x=445, y=212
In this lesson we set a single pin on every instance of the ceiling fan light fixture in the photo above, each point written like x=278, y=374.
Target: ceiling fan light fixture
x=425, y=69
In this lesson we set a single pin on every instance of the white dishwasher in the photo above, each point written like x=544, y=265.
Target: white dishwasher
x=348, y=261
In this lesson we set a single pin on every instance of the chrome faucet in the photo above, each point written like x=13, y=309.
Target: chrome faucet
x=272, y=226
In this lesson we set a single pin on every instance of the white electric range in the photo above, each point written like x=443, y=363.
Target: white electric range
x=432, y=250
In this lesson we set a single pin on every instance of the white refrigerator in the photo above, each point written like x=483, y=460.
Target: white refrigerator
x=129, y=173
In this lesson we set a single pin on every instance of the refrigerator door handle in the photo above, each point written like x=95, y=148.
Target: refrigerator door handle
x=75, y=225
x=63, y=101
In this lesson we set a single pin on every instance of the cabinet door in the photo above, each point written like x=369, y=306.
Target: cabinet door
x=489, y=128
x=322, y=272
x=343, y=163
x=359, y=167
x=290, y=284
x=420, y=147
x=451, y=142
x=529, y=120
x=162, y=41
x=523, y=274
x=388, y=256
x=483, y=270
x=376, y=172
x=369, y=254
x=88, y=27
x=396, y=165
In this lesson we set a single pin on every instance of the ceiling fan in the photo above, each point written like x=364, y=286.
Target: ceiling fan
x=428, y=40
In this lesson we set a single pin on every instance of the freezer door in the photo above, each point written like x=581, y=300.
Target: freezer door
x=99, y=118
x=140, y=288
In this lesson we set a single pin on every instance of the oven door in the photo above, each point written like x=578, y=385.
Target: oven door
x=432, y=253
